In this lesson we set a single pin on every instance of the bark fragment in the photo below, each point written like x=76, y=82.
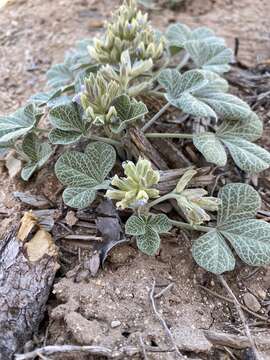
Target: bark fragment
x=27, y=271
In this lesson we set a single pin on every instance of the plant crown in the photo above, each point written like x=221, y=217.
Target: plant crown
x=100, y=92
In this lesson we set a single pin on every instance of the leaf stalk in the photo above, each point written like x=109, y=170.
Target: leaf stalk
x=155, y=117
x=168, y=135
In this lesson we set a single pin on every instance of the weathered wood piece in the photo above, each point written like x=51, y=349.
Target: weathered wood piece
x=27, y=271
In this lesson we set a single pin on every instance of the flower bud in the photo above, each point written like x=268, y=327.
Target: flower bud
x=135, y=189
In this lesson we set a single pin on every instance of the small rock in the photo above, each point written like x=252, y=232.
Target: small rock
x=121, y=255
x=71, y=219
x=115, y=323
x=13, y=165
x=84, y=331
x=93, y=264
x=95, y=23
x=251, y=302
x=189, y=339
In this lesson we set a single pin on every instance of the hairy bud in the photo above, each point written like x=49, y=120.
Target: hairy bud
x=137, y=187
x=193, y=202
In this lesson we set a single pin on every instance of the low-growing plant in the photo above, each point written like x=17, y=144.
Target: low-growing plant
x=101, y=91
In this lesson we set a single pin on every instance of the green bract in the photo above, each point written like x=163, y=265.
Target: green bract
x=236, y=224
x=147, y=230
x=85, y=173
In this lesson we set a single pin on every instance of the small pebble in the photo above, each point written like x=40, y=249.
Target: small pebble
x=115, y=323
x=251, y=302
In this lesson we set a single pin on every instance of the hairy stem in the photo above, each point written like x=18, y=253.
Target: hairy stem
x=104, y=139
x=154, y=118
x=183, y=62
x=42, y=130
x=155, y=93
x=160, y=199
x=168, y=135
x=187, y=226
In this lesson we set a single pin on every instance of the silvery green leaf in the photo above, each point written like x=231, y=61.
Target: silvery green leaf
x=176, y=84
x=160, y=223
x=201, y=94
x=180, y=89
x=211, y=148
x=249, y=129
x=251, y=240
x=191, y=105
x=90, y=168
x=239, y=202
x=178, y=34
x=226, y=106
x=61, y=137
x=42, y=98
x=69, y=125
x=135, y=225
x=19, y=123
x=60, y=100
x=128, y=110
x=149, y=242
x=210, y=56
x=66, y=117
x=82, y=56
x=84, y=173
x=206, y=34
x=36, y=152
x=215, y=82
x=79, y=197
x=211, y=252
x=61, y=75
x=147, y=229
x=247, y=156
x=28, y=170
x=170, y=80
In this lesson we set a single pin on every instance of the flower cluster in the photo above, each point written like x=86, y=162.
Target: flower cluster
x=128, y=30
x=193, y=202
x=137, y=187
x=97, y=97
x=128, y=74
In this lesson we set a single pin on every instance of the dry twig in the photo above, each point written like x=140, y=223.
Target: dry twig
x=143, y=348
x=235, y=341
x=121, y=353
x=163, y=322
x=241, y=315
x=261, y=317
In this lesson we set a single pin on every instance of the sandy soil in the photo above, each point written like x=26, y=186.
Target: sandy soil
x=113, y=308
